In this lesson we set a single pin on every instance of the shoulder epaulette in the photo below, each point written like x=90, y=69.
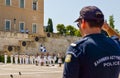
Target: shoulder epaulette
x=79, y=42
x=116, y=40
x=114, y=37
x=73, y=49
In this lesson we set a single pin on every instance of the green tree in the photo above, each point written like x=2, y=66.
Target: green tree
x=49, y=27
x=111, y=21
x=70, y=30
x=61, y=29
x=77, y=33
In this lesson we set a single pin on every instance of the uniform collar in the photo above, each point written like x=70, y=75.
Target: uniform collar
x=95, y=35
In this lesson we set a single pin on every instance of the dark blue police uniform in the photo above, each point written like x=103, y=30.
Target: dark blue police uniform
x=94, y=56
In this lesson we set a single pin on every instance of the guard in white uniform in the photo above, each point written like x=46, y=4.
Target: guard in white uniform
x=16, y=59
x=11, y=58
x=5, y=58
x=20, y=59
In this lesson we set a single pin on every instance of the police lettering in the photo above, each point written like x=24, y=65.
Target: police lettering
x=101, y=60
x=108, y=58
x=108, y=64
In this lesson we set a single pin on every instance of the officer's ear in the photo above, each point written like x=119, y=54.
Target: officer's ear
x=83, y=26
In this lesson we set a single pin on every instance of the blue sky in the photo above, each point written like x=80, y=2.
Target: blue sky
x=66, y=11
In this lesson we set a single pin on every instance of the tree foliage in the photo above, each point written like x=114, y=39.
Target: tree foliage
x=49, y=27
x=68, y=30
x=111, y=21
x=77, y=33
x=61, y=29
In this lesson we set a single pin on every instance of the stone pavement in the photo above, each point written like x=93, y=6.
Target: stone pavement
x=30, y=71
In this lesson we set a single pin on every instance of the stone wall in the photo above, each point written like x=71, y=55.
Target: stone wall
x=52, y=44
x=59, y=44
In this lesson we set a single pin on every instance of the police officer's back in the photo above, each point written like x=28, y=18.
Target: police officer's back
x=95, y=55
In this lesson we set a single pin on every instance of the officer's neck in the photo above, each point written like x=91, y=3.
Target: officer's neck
x=92, y=31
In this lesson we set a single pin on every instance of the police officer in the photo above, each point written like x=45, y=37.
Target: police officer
x=95, y=55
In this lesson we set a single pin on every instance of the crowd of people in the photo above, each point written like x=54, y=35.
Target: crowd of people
x=43, y=59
